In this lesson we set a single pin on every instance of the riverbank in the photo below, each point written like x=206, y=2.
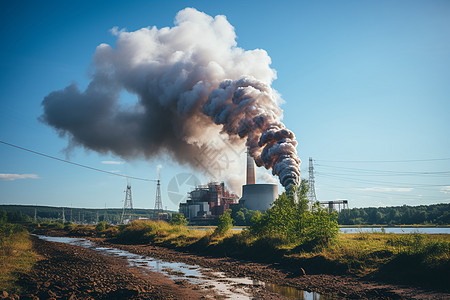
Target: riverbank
x=395, y=226
x=71, y=272
x=369, y=261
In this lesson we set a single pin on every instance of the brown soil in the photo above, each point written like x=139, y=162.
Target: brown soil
x=71, y=272
x=333, y=286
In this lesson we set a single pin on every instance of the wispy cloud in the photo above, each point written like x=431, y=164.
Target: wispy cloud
x=11, y=177
x=445, y=189
x=384, y=189
x=114, y=171
x=112, y=162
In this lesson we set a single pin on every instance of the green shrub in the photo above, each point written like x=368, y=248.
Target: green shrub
x=225, y=223
x=101, y=226
x=290, y=221
x=59, y=226
x=178, y=219
x=69, y=226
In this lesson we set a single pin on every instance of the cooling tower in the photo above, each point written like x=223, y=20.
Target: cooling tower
x=258, y=196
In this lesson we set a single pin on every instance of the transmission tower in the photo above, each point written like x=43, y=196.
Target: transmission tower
x=127, y=204
x=158, y=202
x=63, y=216
x=312, y=190
x=105, y=216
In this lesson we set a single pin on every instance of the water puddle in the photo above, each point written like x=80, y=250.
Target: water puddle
x=223, y=285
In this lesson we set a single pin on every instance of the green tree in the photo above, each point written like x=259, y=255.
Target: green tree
x=3, y=216
x=101, y=226
x=225, y=223
x=178, y=219
x=290, y=220
x=239, y=218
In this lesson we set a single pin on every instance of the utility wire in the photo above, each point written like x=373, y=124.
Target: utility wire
x=386, y=171
x=383, y=161
x=76, y=164
x=393, y=184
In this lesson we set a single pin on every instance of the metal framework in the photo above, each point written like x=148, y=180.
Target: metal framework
x=158, y=202
x=127, y=205
x=335, y=205
x=312, y=190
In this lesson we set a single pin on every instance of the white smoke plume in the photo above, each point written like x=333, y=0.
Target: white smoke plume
x=183, y=77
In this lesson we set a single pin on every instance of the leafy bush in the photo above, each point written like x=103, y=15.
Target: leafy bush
x=59, y=226
x=68, y=226
x=178, y=219
x=101, y=226
x=225, y=223
x=290, y=221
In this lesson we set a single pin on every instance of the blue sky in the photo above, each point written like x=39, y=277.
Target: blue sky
x=366, y=85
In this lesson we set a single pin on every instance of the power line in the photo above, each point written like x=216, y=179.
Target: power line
x=75, y=164
x=386, y=171
x=383, y=161
x=394, y=184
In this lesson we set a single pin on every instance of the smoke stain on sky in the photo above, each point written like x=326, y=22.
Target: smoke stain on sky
x=181, y=75
x=363, y=81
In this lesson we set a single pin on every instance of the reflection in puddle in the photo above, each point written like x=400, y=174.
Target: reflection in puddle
x=222, y=285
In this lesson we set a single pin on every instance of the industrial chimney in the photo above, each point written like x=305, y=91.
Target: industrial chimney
x=250, y=170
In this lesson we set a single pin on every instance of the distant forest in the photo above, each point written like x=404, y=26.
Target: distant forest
x=437, y=214
x=26, y=213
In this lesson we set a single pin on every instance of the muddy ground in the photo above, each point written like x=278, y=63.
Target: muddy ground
x=331, y=286
x=72, y=272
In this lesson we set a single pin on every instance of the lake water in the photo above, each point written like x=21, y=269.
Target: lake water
x=429, y=230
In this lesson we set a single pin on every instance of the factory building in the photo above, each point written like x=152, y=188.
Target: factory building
x=257, y=196
x=207, y=202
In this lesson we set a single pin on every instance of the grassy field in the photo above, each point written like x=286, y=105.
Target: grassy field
x=16, y=255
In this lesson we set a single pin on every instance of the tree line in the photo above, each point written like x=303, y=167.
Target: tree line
x=436, y=214
x=26, y=213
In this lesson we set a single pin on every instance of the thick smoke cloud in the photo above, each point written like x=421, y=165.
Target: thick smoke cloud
x=178, y=75
x=248, y=108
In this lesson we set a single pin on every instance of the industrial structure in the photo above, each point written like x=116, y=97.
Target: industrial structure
x=127, y=206
x=311, y=188
x=257, y=196
x=207, y=202
x=333, y=205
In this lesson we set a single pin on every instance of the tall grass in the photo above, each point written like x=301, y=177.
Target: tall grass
x=424, y=258
x=16, y=255
x=159, y=232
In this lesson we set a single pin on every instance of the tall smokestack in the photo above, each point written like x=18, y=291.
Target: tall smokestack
x=250, y=169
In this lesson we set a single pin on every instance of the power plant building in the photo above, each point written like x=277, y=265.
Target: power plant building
x=206, y=202
x=257, y=196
